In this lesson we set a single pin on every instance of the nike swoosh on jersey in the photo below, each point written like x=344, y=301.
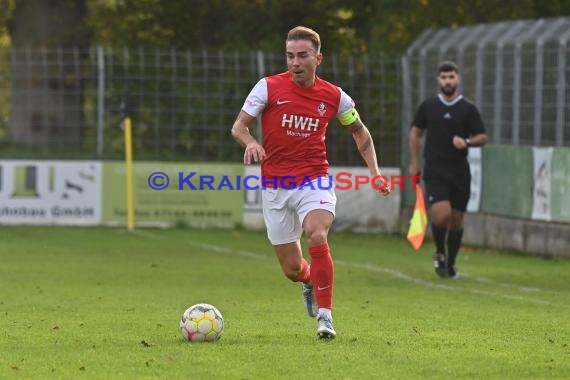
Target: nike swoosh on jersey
x=279, y=101
x=323, y=287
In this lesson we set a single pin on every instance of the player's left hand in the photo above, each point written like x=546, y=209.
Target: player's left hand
x=459, y=142
x=254, y=153
x=384, y=186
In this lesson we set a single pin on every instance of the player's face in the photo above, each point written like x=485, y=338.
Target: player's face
x=448, y=82
x=302, y=61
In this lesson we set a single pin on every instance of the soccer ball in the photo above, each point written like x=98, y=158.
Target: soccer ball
x=202, y=323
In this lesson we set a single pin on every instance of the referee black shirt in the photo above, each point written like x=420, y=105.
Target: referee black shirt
x=443, y=120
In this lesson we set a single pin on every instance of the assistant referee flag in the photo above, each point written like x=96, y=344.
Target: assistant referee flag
x=418, y=223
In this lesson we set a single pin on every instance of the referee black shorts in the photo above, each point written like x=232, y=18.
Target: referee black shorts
x=447, y=181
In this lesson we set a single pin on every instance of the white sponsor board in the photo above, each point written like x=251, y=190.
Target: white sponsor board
x=364, y=209
x=358, y=209
x=541, y=183
x=252, y=210
x=50, y=192
x=475, y=159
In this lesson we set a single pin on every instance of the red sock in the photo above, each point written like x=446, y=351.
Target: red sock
x=322, y=274
x=305, y=274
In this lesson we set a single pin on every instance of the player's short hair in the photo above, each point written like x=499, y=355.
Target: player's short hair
x=447, y=66
x=304, y=33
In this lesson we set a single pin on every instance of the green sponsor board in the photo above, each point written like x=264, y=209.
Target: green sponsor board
x=560, y=190
x=178, y=202
x=507, y=180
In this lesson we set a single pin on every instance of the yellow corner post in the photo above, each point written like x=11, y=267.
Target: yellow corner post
x=129, y=173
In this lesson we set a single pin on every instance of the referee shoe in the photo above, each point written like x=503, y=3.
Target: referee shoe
x=439, y=265
x=452, y=272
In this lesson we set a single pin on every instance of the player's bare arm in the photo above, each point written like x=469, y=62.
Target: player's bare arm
x=254, y=152
x=365, y=145
x=475, y=140
x=415, y=140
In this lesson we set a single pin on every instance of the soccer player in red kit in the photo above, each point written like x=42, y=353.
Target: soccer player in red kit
x=295, y=109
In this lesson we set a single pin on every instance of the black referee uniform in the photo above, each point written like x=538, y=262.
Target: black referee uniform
x=446, y=170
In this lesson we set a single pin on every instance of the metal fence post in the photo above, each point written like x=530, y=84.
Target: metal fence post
x=538, y=84
x=457, y=36
x=498, y=98
x=517, y=72
x=539, y=80
x=157, y=95
x=479, y=64
x=261, y=74
x=173, y=83
x=435, y=39
x=100, y=100
x=406, y=106
x=462, y=45
x=409, y=54
x=561, y=88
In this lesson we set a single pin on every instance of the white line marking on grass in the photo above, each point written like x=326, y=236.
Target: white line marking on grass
x=145, y=234
x=229, y=251
x=391, y=272
x=485, y=280
x=395, y=273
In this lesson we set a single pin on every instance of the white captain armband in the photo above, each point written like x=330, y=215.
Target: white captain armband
x=348, y=117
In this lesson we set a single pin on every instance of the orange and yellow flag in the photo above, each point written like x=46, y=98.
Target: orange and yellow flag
x=418, y=223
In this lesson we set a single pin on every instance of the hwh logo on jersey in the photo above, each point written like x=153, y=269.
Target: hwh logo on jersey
x=299, y=122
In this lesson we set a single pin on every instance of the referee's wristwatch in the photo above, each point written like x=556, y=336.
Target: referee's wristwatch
x=468, y=142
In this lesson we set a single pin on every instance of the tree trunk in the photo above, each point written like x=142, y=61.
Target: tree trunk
x=49, y=39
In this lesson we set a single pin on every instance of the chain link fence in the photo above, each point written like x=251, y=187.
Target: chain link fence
x=517, y=73
x=68, y=103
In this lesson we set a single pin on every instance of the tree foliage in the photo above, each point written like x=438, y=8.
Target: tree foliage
x=7, y=7
x=358, y=26
x=357, y=30
x=49, y=23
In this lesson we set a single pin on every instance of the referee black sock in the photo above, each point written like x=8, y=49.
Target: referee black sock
x=439, y=237
x=453, y=243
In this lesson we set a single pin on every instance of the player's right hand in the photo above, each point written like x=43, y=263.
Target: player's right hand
x=414, y=168
x=254, y=153
x=382, y=183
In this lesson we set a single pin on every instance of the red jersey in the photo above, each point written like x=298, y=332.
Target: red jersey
x=294, y=124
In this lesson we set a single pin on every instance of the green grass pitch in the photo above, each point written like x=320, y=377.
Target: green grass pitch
x=102, y=303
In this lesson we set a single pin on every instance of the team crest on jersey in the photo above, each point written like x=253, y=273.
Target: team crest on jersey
x=322, y=108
